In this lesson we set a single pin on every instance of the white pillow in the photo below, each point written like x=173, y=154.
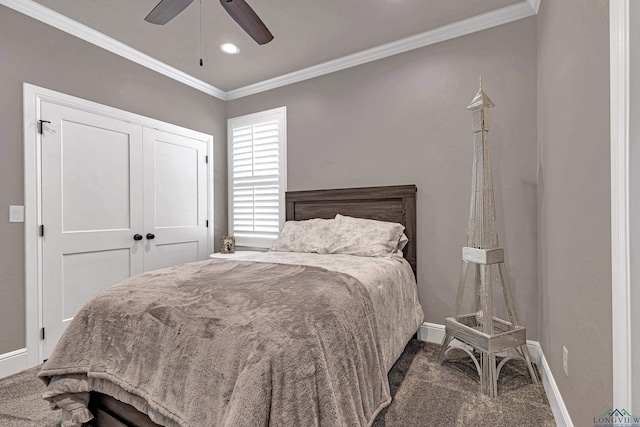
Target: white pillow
x=312, y=235
x=365, y=237
x=402, y=243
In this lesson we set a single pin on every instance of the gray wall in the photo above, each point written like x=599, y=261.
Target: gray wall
x=403, y=120
x=396, y=121
x=574, y=201
x=33, y=52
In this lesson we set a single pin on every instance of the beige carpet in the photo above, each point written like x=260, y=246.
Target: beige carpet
x=427, y=394
x=424, y=394
x=21, y=404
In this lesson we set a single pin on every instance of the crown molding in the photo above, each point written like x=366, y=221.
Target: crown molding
x=481, y=22
x=68, y=25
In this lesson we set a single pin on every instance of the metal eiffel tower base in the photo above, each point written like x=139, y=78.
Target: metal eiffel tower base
x=485, y=334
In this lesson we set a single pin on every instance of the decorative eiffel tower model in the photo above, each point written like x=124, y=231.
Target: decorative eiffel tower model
x=485, y=334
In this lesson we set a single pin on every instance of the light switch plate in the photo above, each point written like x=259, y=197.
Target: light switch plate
x=16, y=213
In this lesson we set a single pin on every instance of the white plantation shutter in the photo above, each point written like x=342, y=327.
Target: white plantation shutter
x=257, y=177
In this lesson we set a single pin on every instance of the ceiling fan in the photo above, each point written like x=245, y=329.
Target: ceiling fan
x=239, y=10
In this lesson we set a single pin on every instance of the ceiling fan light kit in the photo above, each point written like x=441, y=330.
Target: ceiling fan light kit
x=239, y=10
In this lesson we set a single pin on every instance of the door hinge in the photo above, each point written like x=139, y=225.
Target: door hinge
x=42, y=333
x=207, y=222
x=41, y=128
x=42, y=231
x=206, y=159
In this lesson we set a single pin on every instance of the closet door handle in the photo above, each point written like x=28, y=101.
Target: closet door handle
x=151, y=236
x=137, y=237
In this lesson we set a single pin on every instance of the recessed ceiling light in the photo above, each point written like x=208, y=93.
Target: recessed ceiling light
x=229, y=48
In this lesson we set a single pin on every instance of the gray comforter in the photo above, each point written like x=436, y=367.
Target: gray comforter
x=227, y=343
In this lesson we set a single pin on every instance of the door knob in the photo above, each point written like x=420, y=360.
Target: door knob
x=151, y=236
x=137, y=237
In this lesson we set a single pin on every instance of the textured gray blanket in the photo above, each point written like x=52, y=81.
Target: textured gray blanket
x=228, y=343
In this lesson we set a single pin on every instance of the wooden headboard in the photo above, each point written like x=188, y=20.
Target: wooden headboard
x=393, y=203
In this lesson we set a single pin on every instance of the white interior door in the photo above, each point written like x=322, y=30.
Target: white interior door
x=92, y=206
x=175, y=199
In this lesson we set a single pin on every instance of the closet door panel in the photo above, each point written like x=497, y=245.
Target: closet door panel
x=92, y=204
x=175, y=195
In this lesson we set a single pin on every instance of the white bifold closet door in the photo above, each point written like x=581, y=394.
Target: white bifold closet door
x=118, y=199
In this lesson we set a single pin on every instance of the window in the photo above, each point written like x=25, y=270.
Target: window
x=257, y=153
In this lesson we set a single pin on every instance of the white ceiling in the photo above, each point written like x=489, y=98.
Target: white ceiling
x=307, y=33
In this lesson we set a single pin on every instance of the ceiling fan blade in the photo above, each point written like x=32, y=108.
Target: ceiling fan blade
x=242, y=13
x=166, y=10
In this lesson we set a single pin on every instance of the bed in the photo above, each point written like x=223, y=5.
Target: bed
x=293, y=355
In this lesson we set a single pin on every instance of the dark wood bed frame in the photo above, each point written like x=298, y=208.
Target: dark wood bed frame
x=392, y=204
x=389, y=203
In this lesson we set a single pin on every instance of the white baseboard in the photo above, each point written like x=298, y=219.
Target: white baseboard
x=13, y=362
x=560, y=412
x=434, y=333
